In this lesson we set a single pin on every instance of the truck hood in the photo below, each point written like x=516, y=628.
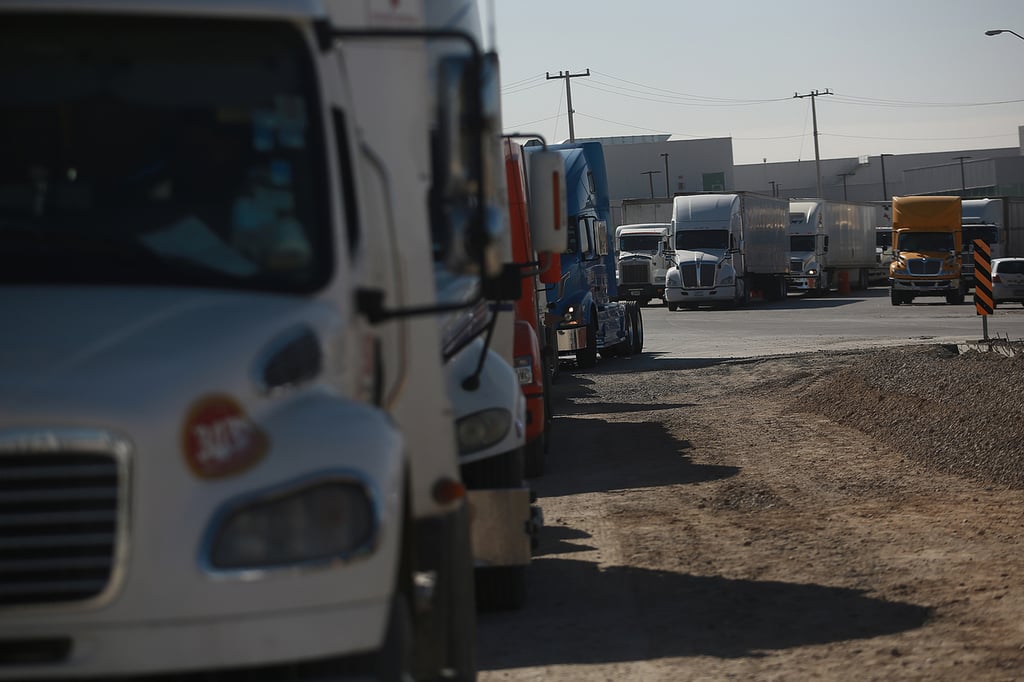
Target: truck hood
x=635, y=255
x=709, y=256
x=77, y=351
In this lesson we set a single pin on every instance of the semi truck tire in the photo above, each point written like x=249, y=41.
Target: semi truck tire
x=587, y=357
x=462, y=606
x=638, y=329
x=394, y=661
x=958, y=297
x=672, y=307
x=534, y=460
x=500, y=588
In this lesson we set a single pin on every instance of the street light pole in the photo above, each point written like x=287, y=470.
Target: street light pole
x=650, y=178
x=668, y=194
x=997, y=31
x=963, y=183
x=844, y=176
x=885, y=190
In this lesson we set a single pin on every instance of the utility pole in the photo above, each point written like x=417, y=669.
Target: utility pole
x=668, y=194
x=963, y=182
x=814, y=118
x=568, y=96
x=844, y=176
x=650, y=178
x=885, y=189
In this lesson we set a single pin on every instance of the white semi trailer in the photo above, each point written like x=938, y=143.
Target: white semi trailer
x=829, y=242
x=728, y=248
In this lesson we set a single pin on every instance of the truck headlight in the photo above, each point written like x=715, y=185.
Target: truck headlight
x=726, y=279
x=482, y=429
x=672, y=278
x=319, y=522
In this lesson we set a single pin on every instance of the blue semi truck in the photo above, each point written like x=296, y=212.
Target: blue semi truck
x=583, y=311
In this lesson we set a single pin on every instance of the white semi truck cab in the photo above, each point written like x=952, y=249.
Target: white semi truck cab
x=644, y=254
x=227, y=439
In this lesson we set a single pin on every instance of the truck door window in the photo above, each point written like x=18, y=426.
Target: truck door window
x=347, y=188
x=128, y=159
x=586, y=237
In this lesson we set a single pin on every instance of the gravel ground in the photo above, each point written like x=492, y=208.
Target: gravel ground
x=960, y=412
x=833, y=516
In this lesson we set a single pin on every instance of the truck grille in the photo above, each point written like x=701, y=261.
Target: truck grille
x=59, y=516
x=635, y=273
x=924, y=266
x=796, y=265
x=697, y=275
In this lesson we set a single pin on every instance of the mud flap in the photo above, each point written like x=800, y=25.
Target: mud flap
x=500, y=526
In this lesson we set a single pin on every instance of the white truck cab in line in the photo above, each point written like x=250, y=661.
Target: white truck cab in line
x=644, y=253
x=227, y=440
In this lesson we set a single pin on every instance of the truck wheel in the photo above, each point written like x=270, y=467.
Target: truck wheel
x=500, y=588
x=394, y=661
x=462, y=603
x=957, y=298
x=506, y=470
x=672, y=307
x=587, y=357
x=894, y=297
x=638, y=331
x=534, y=458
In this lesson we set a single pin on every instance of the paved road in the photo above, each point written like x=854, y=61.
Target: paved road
x=836, y=321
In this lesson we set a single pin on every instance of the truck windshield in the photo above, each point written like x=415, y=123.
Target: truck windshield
x=639, y=242
x=803, y=242
x=925, y=241
x=693, y=240
x=160, y=151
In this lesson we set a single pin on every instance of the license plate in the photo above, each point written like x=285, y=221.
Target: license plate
x=698, y=293
x=635, y=292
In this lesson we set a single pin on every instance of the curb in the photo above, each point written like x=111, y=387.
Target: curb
x=1002, y=346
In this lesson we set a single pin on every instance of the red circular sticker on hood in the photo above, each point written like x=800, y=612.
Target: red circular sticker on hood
x=219, y=439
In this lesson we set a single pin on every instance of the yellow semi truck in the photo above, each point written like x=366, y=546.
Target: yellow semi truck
x=926, y=249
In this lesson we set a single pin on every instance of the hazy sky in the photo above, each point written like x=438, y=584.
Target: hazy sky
x=906, y=75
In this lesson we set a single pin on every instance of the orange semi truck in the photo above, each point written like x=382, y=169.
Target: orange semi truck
x=926, y=249
x=535, y=347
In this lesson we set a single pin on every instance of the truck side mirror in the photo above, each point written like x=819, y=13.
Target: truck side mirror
x=549, y=212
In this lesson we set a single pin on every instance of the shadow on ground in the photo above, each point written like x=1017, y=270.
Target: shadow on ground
x=579, y=613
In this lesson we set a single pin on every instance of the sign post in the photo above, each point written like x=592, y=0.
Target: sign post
x=983, y=283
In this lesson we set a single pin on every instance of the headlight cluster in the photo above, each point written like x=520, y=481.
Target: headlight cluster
x=321, y=522
x=672, y=278
x=727, y=280
x=482, y=429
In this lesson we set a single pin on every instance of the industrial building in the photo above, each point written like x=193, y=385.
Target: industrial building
x=650, y=166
